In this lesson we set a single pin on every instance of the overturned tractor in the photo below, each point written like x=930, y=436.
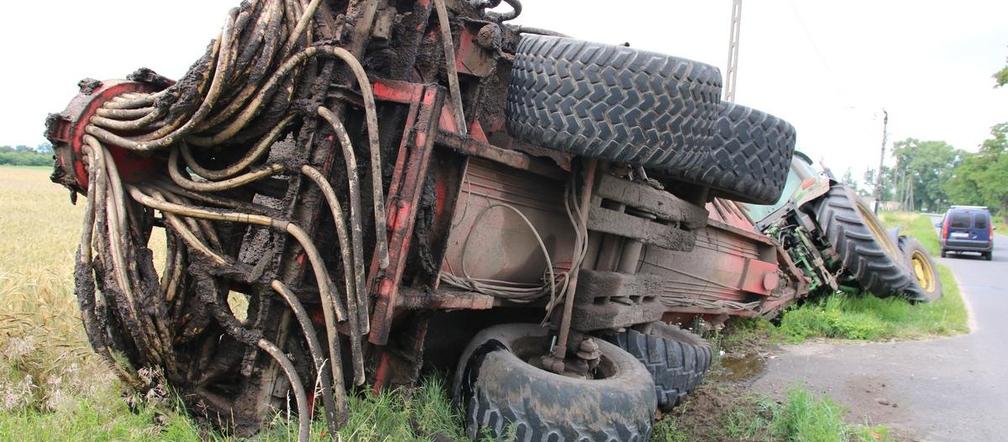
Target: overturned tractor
x=402, y=186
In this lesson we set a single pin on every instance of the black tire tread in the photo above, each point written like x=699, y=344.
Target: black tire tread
x=862, y=257
x=612, y=102
x=677, y=363
x=749, y=156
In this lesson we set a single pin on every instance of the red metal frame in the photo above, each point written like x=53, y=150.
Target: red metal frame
x=426, y=104
x=69, y=130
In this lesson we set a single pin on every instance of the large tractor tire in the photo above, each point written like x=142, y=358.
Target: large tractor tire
x=501, y=394
x=676, y=359
x=867, y=253
x=612, y=102
x=926, y=285
x=749, y=157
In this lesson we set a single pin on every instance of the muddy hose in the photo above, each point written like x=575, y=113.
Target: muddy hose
x=353, y=192
x=250, y=157
x=217, y=186
x=333, y=393
x=321, y=275
x=84, y=287
x=304, y=417
x=350, y=274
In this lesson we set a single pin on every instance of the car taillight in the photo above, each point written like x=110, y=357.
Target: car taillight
x=990, y=231
x=945, y=227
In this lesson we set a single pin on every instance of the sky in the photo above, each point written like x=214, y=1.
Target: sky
x=828, y=67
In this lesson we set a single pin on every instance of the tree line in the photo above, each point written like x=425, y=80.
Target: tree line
x=21, y=155
x=932, y=175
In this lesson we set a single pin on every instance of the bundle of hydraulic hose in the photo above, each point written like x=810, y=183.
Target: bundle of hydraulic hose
x=211, y=137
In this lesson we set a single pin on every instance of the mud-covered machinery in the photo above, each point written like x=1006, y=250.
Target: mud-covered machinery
x=378, y=181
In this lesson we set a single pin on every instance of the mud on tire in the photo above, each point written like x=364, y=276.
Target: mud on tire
x=612, y=102
x=501, y=394
x=866, y=251
x=676, y=359
x=748, y=158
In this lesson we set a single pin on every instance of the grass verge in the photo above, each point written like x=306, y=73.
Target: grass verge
x=914, y=225
x=865, y=317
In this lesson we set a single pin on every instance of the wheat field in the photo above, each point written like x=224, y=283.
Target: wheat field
x=46, y=358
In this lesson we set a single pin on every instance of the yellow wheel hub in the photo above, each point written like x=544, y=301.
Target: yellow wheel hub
x=922, y=270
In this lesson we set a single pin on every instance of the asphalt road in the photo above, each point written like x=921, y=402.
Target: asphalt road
x=947, y=389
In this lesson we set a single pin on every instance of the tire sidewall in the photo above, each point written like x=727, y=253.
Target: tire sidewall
x=618, y=407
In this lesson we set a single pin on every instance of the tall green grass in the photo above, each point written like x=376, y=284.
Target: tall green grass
x=866, y=317
x=914, y=225
x=417, y=414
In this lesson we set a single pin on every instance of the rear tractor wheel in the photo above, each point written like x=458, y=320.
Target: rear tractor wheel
x=867, y=253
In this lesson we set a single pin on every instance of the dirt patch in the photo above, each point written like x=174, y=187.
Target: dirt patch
x=708, y=414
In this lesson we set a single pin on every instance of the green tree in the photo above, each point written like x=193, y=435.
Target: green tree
x=982, y=178
x=925, y=165
x=22, y=155
x=1001, y=77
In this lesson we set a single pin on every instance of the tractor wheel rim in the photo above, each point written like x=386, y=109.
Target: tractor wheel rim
x=922, y=270
x=879, y=233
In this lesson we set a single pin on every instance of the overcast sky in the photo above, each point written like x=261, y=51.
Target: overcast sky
x=828, y=67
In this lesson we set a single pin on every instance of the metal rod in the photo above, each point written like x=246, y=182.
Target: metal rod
x=453, y=80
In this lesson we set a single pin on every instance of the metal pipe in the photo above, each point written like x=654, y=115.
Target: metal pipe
x=630, y=256
x=453, y=79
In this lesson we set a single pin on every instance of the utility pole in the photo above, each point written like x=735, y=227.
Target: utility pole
x=878, y=175
x=733, y=45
